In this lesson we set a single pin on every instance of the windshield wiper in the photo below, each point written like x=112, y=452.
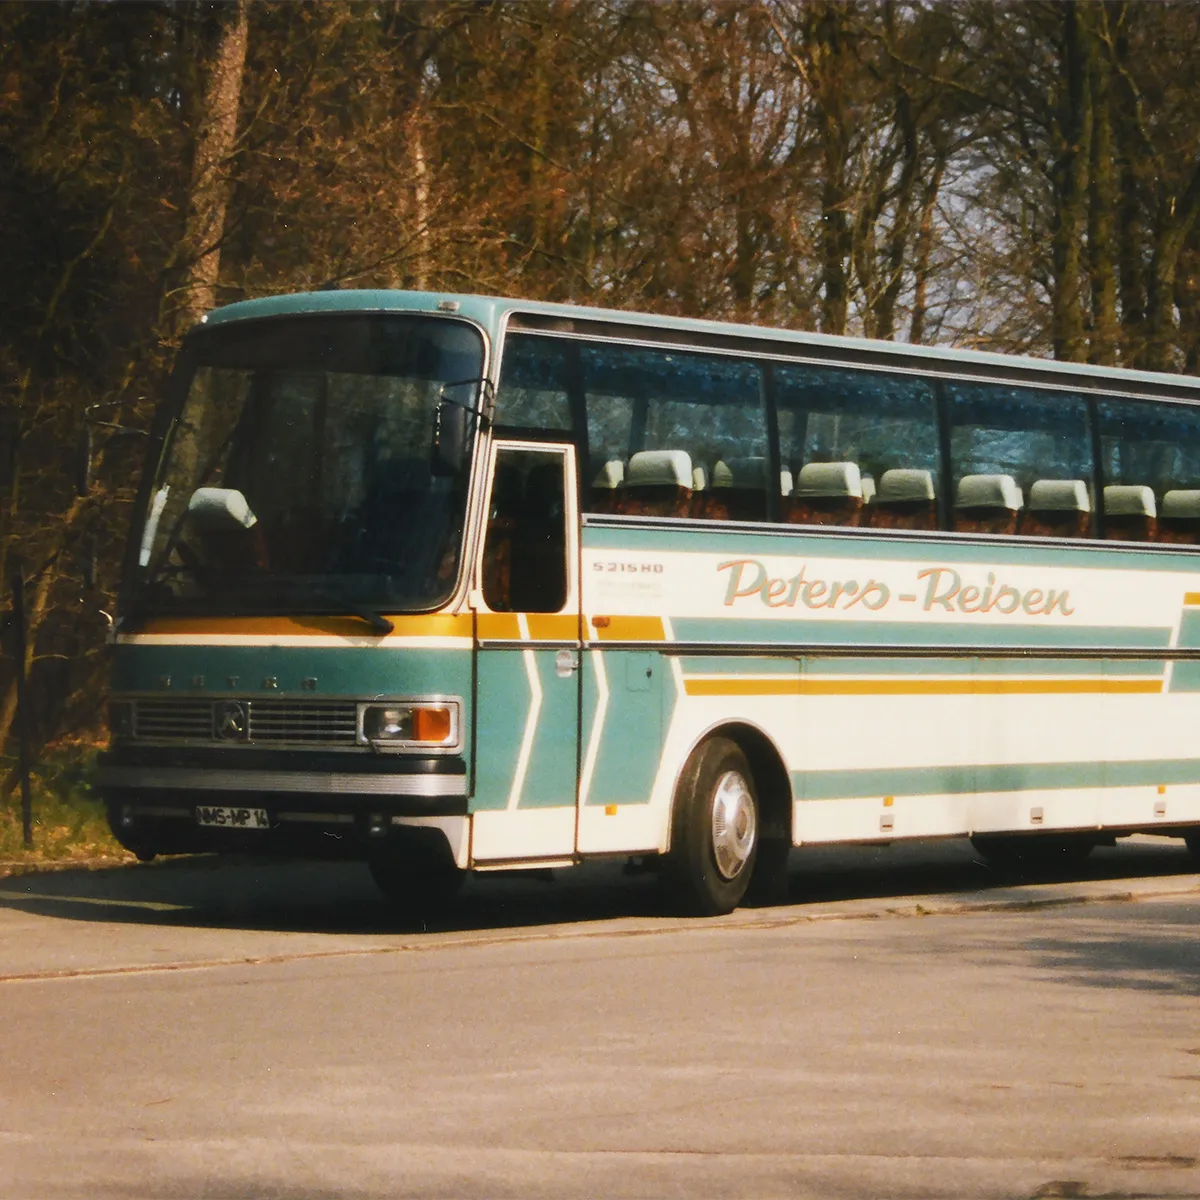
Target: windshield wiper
x=377, y=621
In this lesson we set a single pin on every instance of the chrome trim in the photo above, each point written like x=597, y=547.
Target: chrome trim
x=200, y=779
x=867, y=650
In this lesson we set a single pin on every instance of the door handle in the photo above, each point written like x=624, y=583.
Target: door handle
x=566, y=663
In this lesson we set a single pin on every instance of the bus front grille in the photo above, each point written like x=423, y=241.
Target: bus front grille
x=266, y=722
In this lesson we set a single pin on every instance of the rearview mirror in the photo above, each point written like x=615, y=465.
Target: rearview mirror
x=455, y=420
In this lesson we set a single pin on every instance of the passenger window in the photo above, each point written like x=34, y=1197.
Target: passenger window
x=861, y=447
x=1150, y=456
x=1020, y=461
x=533, y=392
x=524, y=552
x=674, y=433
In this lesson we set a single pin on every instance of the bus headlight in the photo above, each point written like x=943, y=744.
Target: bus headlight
x=397, y=725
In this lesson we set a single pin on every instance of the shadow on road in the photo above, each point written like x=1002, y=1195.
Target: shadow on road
x=215, y=892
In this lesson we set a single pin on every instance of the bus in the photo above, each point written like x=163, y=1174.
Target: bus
x=453, y=583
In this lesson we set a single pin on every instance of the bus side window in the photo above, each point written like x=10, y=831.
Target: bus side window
x=1013, y=446
x=841, y=430
x=701, y=417
x=524, y=565
x=1150, y=457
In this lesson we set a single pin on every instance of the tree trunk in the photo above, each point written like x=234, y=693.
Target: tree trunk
x=216, y=135
x=1102, y=200
x=1071, y=179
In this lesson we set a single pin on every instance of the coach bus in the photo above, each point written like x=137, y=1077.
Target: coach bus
x=458, y=583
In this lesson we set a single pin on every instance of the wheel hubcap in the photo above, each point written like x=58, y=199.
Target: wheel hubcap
x=734, y=825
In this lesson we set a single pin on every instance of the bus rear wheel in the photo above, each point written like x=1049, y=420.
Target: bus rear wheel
x=714, y=833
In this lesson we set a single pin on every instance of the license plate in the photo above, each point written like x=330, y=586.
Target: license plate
x=232, y=818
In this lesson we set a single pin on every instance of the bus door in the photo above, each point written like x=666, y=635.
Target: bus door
x=527, y=658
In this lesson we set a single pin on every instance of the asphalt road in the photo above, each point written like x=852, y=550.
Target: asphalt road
x=910, y=1025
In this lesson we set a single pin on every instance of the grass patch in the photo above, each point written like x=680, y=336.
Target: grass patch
x=69, y=824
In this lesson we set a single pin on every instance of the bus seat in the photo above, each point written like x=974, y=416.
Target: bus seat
x=905, y=499
x=827, y=493
x=658, y=483
x=606, y=487
x=1057, y=508
x=742, y=487
x=986, y=504
x=1179, y=520
x=1130, y=514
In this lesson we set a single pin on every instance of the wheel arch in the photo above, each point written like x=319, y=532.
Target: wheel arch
x=772, y=783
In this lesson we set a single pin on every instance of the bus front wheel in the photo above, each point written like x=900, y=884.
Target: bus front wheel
x=714, y=833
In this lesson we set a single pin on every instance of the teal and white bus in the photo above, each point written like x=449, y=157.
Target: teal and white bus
x=457, y=583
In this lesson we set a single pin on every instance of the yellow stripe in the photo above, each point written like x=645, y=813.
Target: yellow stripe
x=499, y=627
x=915, y=687
x=1191, y=599
x=552, y=627
x=439, y=625
x=628, y=629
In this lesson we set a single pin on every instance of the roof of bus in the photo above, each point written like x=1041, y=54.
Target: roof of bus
x=489, y=311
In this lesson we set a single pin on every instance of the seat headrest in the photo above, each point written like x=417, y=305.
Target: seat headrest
x=1181, y=504
x=829, y=479
x=611, y=475
x=785, y=482
x=905, y=483
x=868, y=488
x=213, y=506
x=699, y=479
x=740, y=473
x=660, y=468
x=1059, y=495
x=1129, y=500
x=987, y=491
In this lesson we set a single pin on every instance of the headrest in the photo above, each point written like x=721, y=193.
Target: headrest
x=1129, y=500
x=611, y=475
x=1181, y=504
x=785, y=482
x=1059, y=495
x=741, y=473
x=660, y=468
x=905, y=483
x=213, y=507
x=829, y=479
x=868, y=488
x=987, y=491
x=699, y=479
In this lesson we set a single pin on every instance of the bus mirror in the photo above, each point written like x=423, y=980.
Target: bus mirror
x=83, y=460
x=453, y=421
x=450, y=427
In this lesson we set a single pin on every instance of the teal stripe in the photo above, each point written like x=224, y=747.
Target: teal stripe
x=787, y=540
x=1007, y=777
x=914, y=633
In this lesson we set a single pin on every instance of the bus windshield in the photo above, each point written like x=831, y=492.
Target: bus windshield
x=296, y=474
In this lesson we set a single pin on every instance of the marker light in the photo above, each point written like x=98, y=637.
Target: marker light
x=403, y=725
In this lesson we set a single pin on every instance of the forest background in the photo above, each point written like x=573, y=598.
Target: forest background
x=1016, y=176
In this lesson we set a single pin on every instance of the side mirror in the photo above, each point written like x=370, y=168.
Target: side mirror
x=451, y=425
x=454, y=421
x=83, y=460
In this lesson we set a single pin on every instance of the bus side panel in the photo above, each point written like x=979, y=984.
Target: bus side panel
x=1002, y=686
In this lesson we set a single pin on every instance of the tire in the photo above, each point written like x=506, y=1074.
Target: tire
x=416, y=878
x=714, y=831
x=1034, y=853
